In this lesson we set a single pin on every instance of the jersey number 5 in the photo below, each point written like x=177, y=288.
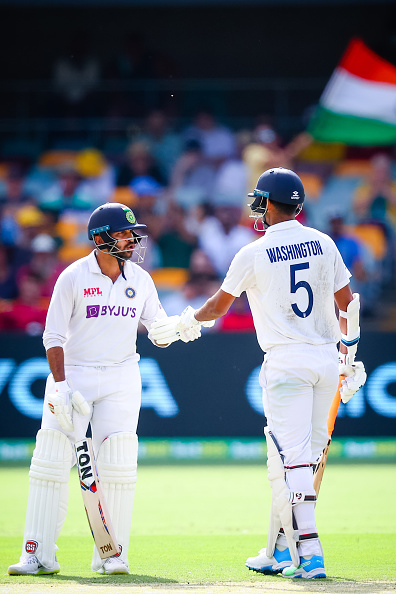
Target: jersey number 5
x=300, y=285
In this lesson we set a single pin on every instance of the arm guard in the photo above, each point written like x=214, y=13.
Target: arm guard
x=351, y=338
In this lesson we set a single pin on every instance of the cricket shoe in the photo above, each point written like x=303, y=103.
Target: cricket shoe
x=309, y=568
x=30, y=565
x=269, y=565
x=114, y=565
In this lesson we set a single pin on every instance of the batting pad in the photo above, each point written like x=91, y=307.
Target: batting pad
x=117, y=469
x=48, y=494
x=281, y=501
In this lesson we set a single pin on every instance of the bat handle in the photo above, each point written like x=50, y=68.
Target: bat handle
x=334, y=408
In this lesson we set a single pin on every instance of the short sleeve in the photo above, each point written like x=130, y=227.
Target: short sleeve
x=341, y=273
x=241, y=274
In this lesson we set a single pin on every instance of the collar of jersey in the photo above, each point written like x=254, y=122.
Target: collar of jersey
x=282, y=226
x=95, y=268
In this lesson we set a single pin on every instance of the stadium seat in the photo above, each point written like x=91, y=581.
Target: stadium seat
x=372, y=236
x=73, y=232
x=124, y=195
x=166, y=279
x=312, y=184
x=353, y=168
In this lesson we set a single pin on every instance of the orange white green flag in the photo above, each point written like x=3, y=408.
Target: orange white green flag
x=358, y=105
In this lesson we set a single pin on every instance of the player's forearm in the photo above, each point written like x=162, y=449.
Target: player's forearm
x=56, y=361
x=215, y=307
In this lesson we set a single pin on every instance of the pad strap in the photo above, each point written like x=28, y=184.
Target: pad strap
x=302, y=535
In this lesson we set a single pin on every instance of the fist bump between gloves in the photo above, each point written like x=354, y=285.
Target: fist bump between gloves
x=355, y=377
x=173, y=328
x=62, y=403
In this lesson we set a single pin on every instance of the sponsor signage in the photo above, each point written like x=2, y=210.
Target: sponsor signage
x=205, y=389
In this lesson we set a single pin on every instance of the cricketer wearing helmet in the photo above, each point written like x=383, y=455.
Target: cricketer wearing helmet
x=90, y=340
x=292, y=276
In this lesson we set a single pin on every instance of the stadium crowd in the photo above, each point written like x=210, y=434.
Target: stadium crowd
x=188, y=185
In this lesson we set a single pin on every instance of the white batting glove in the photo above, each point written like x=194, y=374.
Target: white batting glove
x=188, y=319
x=168, y=330
x=355, y=377
x=62, y=403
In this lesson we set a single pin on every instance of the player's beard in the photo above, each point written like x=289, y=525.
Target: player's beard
x=127, y=253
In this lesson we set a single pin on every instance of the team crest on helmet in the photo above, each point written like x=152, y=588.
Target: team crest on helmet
x=130, y=292
x=130, y=217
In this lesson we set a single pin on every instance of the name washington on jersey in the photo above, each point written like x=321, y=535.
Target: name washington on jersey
x=294, y=251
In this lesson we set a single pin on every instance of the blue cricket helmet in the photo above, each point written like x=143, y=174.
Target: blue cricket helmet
x=278, y=185
x=110, y=218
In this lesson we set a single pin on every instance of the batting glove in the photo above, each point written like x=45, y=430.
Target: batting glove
x=188, y=319
x=355, y=377
x=168, y=330
x=63, y=402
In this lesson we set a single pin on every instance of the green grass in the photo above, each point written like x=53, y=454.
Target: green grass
x=198, y=524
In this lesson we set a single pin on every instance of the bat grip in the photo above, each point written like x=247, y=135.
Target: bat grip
x=334, y=408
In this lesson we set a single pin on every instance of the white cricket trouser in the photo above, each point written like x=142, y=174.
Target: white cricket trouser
x=113, y=394
x=299, y=382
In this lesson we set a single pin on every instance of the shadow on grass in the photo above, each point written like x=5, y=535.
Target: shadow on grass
x=98, y=579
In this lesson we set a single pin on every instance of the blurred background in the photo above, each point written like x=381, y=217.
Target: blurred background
x=175, y=109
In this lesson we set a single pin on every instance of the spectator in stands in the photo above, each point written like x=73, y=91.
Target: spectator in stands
x=25, y=314
x=44, y=264
x=193, y=177
x=222, y=235
x=13, y=198
x=68, y=192
x=176, y=243
x=217, y=141
x=375, y=199
x=13, y=194
x=8, y=284
x=201, y=283
x=139, y=162
x=358, y=259
x=267, y=150
x=164, y=144
x=97, y=174
x=238, y=318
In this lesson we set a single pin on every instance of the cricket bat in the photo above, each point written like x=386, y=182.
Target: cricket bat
x=94, y=501
x=320, y=466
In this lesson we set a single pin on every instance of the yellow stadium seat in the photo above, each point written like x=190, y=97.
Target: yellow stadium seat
x=124, y=195
x=372, y=236
x=73, y=232
x=57, y=158
x=169, y=278
x=312, y=183
x=353, y=168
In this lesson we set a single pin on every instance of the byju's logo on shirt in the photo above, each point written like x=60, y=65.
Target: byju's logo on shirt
x=92, y=292
x=94, y=311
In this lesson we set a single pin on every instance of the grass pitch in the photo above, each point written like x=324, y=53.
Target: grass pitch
x=194, y=527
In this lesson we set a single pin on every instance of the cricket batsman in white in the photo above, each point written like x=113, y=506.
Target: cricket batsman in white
x=90, y=341
x=293, y=277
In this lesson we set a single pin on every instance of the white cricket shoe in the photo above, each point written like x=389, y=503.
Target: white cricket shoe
x=30, y=565
x=270, y=565
x=114, y=565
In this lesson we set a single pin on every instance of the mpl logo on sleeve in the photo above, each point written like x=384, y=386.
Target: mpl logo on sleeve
x=92, y=292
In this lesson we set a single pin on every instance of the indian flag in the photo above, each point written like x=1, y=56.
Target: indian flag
x=358, y=105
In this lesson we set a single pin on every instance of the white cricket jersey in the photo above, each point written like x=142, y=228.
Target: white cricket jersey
x=96, y=320
x=290, y=276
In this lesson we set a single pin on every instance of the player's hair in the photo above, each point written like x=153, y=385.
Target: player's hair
x=287, y=209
